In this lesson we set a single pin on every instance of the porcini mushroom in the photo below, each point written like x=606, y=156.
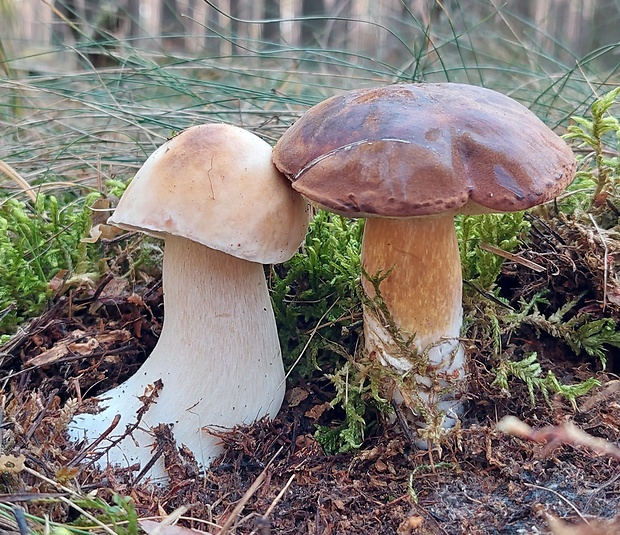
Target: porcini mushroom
x=409, y=158
x=215, y=197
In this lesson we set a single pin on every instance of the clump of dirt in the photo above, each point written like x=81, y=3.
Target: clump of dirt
x=274, y=477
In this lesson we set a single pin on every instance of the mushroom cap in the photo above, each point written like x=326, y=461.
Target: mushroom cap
x=216, y=185
x=416, y=150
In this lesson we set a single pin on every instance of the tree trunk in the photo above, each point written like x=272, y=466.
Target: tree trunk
x=235, y=24
x=523, y=8
x=172, y=28
x=311, y=29
x=603, y=32
x=338, y=37
x=133, y=14
x=212, y=40
x=62, y=31
x=271, y=30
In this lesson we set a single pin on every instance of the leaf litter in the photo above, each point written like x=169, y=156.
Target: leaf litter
x=274, y=477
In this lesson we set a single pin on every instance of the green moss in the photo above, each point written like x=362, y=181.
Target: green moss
x=36, y=243
x=504, y=231
x=315, y=294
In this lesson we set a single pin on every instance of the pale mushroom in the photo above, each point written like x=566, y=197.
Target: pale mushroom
x=213, y=194
x=409, y=158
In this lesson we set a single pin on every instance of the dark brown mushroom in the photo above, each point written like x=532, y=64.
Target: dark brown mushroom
x=409, y=158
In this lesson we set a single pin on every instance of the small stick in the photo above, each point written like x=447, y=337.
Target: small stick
x=264, y=526
x=78, y=458
x=600, y=235
x=512, y=257
x=565, y=500
x=556, y=435
x=278, y=497
x=248, y=494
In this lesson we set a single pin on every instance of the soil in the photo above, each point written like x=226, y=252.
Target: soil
x=275, y=478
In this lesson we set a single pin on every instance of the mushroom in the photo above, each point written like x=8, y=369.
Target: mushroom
x=409, y=158
x=215, y=197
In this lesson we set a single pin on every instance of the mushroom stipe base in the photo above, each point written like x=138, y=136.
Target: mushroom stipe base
x=426, y=400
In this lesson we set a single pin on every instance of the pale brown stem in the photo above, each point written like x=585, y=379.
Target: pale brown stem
x=423, y=293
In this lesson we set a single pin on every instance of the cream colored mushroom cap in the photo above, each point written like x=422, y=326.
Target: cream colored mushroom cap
x=215, y=184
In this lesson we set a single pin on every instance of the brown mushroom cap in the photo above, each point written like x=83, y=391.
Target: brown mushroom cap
x=216, y=185
x=414, y=150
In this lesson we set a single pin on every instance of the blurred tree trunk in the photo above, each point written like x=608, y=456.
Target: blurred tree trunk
x=133, y=13
x=191, y=9
x=603, y=31
x=311, y=29
x=212, y=40
x=338, y=37
x=271, y=30
x=235, y=24
x=523, y=8
x=172, y=27
x=62, y=31
x=560, y=21
x=92, y=9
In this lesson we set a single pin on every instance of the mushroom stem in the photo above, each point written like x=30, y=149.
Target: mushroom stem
x=422, y=295
x=218, y=319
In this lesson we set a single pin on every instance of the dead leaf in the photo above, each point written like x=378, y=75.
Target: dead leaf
x=339, y=504
x=295, y=396
x=380, y=466
x=102, y=231
x=114, y=289
x=9, y=464
x=58, y=280
x=100, y=210
x=317, y=411
x=410, y=524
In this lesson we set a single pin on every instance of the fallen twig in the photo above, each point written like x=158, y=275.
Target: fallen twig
x=556, y=435
x=248, y=494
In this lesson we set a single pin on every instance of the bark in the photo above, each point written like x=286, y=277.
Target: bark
x=311, y=29
x=271, y=30
x=172, y=27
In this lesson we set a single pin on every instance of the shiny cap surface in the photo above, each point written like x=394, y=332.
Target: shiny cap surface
x=421, y=149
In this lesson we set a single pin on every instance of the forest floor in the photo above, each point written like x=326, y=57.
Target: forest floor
x=275, y=478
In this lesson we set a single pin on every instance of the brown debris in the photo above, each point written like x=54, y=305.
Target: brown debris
x=77, y=345
x=485, y=483
x=556, y=435
x=559, y=527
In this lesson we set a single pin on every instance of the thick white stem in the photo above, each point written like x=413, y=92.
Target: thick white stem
x=218, y=356
x=423, y=294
